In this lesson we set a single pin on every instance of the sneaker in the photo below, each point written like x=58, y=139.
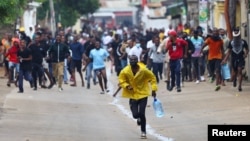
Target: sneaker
x=107, y=90
x=51, y=85
x=211, y=80
x=170, y=88
x=31, y=84
x=102, y=92
x=138, y=121
x=143, y=135
x=217, y=88
x=20, y=92
x=202, y=78
x=94, y=82
x=167, y=85
x=35, y=89
x=197, y=82
x=178, y=89
x=240, y=89
x=60, y=89
x=43, y=86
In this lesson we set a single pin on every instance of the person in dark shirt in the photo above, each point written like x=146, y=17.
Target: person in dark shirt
x=89, y=45
x=114, y=44
x=45, y=42
x=38, y=52
x=77, y=56
x=24, y=55
x=238, y=50
x=187, y=67
x=57, y=53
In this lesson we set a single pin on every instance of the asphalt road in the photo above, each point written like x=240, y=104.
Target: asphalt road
x=79, y=114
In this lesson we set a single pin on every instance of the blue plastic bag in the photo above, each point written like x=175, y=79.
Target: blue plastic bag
x=225, y=71
x=157, y=105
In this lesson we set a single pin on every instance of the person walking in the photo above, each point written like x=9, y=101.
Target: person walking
x=25, y=57
x=98, y=55
x=137, y=89
x=58, y=52
x=238, y=49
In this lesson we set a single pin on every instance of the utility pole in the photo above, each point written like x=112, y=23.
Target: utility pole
x=248, y=38
x=52, y=18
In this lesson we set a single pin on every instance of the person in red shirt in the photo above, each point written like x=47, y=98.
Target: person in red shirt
x=13, y=61
x=177, y=49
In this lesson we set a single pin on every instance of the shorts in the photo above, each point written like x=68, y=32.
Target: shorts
x=98, y=71
x=238, y=63
x=76, y=64
x=14, y=65
x=214, y=64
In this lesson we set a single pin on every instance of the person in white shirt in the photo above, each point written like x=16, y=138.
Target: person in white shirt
x=136, y=50
x=157, y=58
x=166, y=67
x=107, y=39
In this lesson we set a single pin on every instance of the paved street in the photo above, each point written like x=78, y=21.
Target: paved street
x=78, y=114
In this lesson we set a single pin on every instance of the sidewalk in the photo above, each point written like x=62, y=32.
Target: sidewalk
x=4, y=89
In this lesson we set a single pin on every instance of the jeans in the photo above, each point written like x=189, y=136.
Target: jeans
x=138, y=108
x=65, y=74
x=196, y=65
x=123, y=63
x=24, y=74
x=89, y=70
x=37, y=71
x=175, y=71
x=157, y=70
x=50, y=70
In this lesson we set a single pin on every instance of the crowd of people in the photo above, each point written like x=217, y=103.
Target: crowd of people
x=173, y=56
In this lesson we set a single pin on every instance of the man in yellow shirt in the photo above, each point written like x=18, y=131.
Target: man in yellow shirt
x=134, y=80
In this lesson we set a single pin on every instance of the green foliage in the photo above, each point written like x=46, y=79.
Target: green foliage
x=68, y=11
x=10, y=10
x=83, y=6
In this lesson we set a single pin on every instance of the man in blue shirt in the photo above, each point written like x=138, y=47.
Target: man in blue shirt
x=77, y=56
x=98, y=55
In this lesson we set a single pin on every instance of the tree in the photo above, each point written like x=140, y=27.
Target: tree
x=10, y=10
x=230, y=16
x=84, y=6
x=68, y=11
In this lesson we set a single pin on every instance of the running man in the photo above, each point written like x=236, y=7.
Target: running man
x=98, y=55
x=137, y=89
x=238, y=49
